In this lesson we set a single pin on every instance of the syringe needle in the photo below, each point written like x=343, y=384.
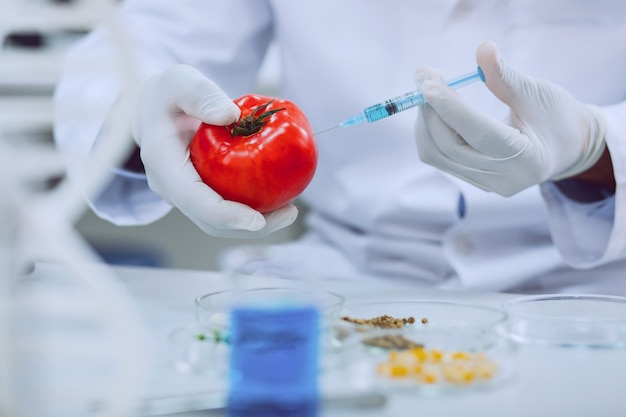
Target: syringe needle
x=326, y=130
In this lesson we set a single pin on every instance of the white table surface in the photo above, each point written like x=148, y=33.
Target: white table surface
x=548, y=381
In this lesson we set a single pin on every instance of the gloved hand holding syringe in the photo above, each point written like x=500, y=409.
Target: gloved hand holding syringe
x=404, y=102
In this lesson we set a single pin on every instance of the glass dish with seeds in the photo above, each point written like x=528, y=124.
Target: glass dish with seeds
x=426, y=346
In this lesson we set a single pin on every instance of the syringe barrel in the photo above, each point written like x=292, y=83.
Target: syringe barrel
x=393, y=106
x=415, y=98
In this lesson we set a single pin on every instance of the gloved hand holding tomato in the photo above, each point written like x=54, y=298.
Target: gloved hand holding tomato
x=264, y=160
x=171, y=106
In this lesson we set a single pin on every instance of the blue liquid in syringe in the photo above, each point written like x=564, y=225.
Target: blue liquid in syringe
x=406, y=101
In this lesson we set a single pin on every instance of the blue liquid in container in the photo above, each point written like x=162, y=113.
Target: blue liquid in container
x=274, y=362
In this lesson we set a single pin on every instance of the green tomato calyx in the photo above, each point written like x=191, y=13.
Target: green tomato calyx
x=254, y=122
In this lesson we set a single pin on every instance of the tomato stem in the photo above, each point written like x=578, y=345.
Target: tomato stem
x=254, y=122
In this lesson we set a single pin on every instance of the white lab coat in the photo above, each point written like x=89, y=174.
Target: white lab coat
x=376, y=211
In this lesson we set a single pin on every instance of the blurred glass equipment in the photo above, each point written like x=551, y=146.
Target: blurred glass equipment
x=71, y=342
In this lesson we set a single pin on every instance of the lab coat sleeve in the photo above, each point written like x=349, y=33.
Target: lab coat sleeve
x=591, y=234
x=226, y=40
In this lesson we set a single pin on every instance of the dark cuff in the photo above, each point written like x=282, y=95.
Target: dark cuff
x=134, y=163
x=583, y=192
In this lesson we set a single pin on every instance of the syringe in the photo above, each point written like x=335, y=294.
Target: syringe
x=406, y=101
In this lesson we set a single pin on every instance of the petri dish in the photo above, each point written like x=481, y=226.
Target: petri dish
x=215, y=307
x=437, y=347
x=193, y=350
x=213, y=312
x=568, y=320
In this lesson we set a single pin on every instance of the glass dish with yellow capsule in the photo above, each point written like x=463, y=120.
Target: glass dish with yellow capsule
x=427, y=347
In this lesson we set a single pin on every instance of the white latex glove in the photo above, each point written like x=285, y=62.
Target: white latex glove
x=169, y=108
x=551, y=135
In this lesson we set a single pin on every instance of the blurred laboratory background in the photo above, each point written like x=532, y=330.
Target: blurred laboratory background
x=30, y=63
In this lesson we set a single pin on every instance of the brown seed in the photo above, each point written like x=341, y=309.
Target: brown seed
x=384, y=321
x=424, y=320
x=395, y=342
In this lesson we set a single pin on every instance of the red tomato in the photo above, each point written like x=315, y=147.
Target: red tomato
x=264, y=160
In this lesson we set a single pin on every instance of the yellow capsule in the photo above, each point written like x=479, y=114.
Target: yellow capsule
x=417, y=368
x=485, y=369
x=399, y=371
x=435, y=355
x=458, y=374
x=420, y=354
x=406, y=356
x=429, y=378
x=461, y=356
x=383, y=368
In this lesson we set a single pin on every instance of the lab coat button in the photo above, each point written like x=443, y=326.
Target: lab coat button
x=464, y=245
